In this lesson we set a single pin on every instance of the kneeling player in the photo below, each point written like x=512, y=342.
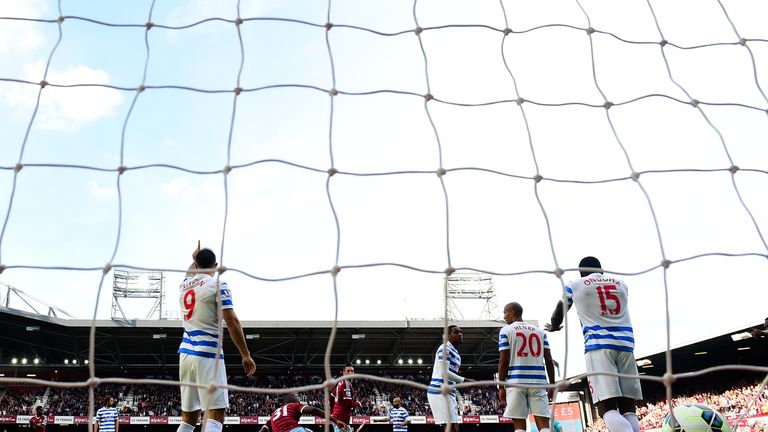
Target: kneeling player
x=286, y=418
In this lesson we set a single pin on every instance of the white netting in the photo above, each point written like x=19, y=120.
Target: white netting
x=575, y=102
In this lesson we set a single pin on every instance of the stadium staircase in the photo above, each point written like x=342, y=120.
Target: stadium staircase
x=128, y=400
x=43, y=400
x=380, y=400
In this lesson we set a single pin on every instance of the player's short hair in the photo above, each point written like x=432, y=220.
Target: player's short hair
x=289, y=398
x=107, y=400
x=590, y=262
x=451, y=327
x=205, y=259
x=515, y=308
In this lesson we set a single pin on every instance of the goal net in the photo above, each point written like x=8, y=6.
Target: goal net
x=344, y=158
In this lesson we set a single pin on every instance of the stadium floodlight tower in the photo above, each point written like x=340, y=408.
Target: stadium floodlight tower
x=135, y=291
x=472, y=287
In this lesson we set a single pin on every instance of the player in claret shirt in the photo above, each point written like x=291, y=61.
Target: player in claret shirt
x=286, y=418
x=343, y=398
x=37, y=422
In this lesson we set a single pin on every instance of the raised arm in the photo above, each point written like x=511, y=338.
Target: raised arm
x=556, y=321
x=192, y=267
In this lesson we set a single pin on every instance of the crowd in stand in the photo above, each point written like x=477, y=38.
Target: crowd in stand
x=18, y=400
x=735, y=401
x=159, y=400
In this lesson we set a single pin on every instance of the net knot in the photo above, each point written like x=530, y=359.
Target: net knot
x=635, y=176
x=149, y=25
x=733, y=169
x=107, y=268
x=328, y=26
x=743, y=42
x=221, y=269
x=418, y=30
x=121, y=169
x=559, y=272
x=440, y=172
x=212, y=388
x=428, y=97
x=666, y=263
x=238, y=21
x=668, y=379
x=537, y=178
x=140, y=88
x=227, y=169
x=507, y=31
x=335, y=270
x=590, y=30
x=694, y=103
x=18, y=167
x=332, y=171
x=93, y=382
x=2, y=268
x=43, y=83
x=238, y=90
x=519, y=101
x=663, y=42
x=449, y=271
x=607, y=105
x=333, y=92
x=60, y=19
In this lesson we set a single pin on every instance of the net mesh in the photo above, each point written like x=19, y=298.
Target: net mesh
x=738, y=44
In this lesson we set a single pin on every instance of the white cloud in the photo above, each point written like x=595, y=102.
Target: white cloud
x=19, y=37
x=180, y=187
x=65, y=109
x=100, y=191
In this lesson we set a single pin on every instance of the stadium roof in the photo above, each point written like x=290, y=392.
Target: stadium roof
x=275, y=345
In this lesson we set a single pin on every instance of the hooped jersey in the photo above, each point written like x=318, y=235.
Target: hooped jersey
x=200, y=314
x=602, y=305
x=398, y=417
x=526, y=345
x=285, y=418
x=453, y=364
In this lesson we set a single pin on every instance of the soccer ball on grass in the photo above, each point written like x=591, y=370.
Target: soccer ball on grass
x=695, y=418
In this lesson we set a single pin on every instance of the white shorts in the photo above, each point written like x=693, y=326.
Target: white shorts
x=440, y=411
x=605, y=387
x=200, y=370
x=520, y=401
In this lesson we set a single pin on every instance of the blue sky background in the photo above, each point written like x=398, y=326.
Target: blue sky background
x=279, y=221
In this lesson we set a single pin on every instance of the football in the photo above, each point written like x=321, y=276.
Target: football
x=695, y=418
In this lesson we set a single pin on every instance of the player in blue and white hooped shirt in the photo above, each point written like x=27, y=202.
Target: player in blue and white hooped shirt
x=602, y=305
x=524, y=359
x=444, y=408
x=200, y=305
x=106, y=417
x=398, y=416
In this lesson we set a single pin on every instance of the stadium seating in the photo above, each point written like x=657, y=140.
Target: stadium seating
x=159, y=400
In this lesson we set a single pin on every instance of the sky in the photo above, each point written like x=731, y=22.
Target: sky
x=279, y=221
